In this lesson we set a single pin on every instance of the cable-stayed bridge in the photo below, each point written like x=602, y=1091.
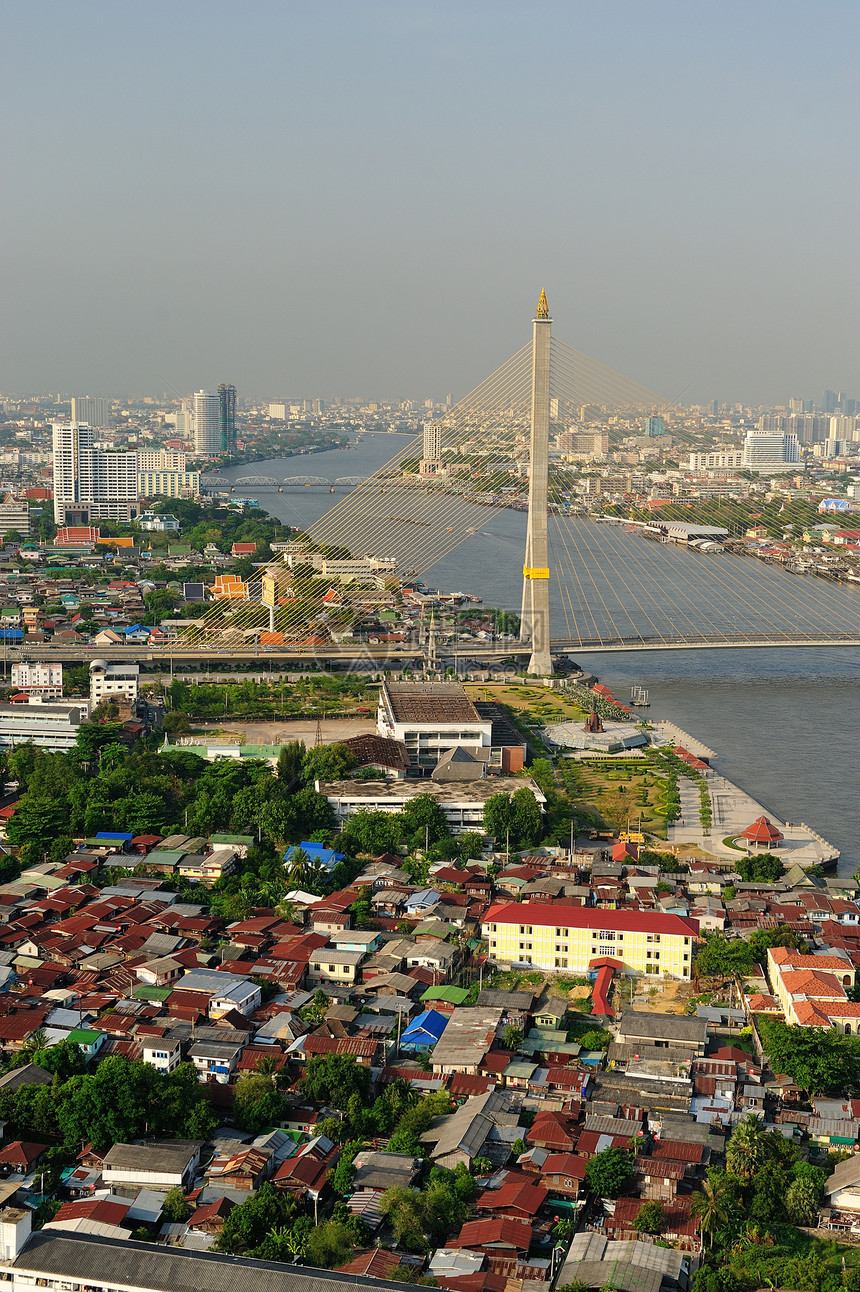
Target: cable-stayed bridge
x=585, y=585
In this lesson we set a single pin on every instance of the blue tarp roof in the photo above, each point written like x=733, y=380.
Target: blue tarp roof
x=316, y=852
x=114, y=834
x=426, y=1029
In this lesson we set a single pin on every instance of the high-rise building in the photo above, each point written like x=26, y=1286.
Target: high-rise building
x=90, y=483
x=655, y=426
x=227, y=396
x=432, y=441
x=431, y=458
x=207, y=424
x=279, y=410
x=769, y=452
x=92, y=409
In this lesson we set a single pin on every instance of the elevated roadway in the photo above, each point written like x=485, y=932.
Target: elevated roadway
x=380, y=655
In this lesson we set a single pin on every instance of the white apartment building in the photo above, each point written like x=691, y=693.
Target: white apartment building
x=279, y=411
x=168, y=484
x=717, y=460
x=14, y=515
x=92, y=409
x=770, y=452
x=45, y=680
x=108, y=681
x=90, y=483
x=161, y=460
x=207, y=423
x=432, y=441
x=50, y=726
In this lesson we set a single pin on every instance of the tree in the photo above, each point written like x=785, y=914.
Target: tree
x=722, y=958
x=329, y=1244
x=608, y=1172
x=175, y=1209
x=763, y=939
x=596, y=1038
x=746, y=1150
x=37, y=821
x=713, y=1204
x=762, y=869
x=248, y=1225
x=512, y=1037
x=818, y=1059
x=518, y=1147
x=651, y=1218
x=342, y=1176
x=423, y=818
x=769, y=1187
x=373, y=832
x=257, y=1103
x=802, y=1201
x=290, y=761
x=405, y=1214
x=334, y=1079
x=515, y=818
x=328, y=763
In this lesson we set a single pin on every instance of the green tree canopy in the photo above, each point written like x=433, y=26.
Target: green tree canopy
x=818, y=1059
x=608, y=1172
x=334, y=1079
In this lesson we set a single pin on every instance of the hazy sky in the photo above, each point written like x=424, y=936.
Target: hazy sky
x=364, y=197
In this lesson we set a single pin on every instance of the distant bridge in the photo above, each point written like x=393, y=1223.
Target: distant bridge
x=385, y=656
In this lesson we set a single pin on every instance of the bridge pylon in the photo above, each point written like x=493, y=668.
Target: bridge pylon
x=534, y=620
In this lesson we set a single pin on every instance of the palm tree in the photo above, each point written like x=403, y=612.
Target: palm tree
x=299, y=865
x=268, y=1066
x=711, y=1206
x=37, y=1040
x=746, y=1150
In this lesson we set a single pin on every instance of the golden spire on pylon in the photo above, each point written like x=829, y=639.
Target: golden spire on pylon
x=543, y=307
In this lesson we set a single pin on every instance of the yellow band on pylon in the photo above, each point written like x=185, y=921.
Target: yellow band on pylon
x=535, y=573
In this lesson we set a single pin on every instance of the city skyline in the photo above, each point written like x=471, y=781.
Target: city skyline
x=400, y=182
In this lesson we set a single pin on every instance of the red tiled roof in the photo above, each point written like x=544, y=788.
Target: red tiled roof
x=218, y=1210
x=500, y=1231
x=106, y=1210
x=513, y=1196
x=762, y=831
x=377, y=1262
x=585, y=917
x=572, y=1164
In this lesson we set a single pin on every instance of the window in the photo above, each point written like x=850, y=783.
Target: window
x=528, y=929
x=559, y=933
x=561, y=962
x=331, y=968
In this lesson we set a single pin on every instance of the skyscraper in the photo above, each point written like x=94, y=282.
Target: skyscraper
x=92, y=409
x=207, y=424
x=769, y=452
x=227, y=396
x=89, y=483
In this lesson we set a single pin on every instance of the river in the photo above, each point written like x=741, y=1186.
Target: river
x=780, y=719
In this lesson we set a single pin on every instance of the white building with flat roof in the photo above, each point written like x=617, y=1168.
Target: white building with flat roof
x=91, y=483
x=45, y=680
x=117, y=681
x=48, y=725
